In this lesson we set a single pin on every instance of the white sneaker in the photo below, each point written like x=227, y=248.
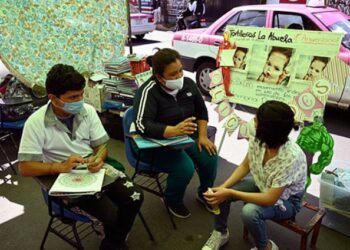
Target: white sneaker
x=216, y=240
x=273, y=246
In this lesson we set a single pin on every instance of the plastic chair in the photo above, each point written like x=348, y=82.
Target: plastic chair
x=68, y=225
x=148, y=179
x=8, y=127
x=4, y=137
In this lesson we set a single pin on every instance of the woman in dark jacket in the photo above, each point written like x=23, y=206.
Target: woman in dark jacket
x=169, y=105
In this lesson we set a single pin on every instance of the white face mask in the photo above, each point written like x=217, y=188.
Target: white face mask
x=175, y=84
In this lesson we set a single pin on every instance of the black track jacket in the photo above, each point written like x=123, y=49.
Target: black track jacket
x=154, y=108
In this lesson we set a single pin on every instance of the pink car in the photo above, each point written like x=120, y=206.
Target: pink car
x=199, y=47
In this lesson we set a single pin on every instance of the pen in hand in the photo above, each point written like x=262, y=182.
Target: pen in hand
x=99, y=153
x=95, y=162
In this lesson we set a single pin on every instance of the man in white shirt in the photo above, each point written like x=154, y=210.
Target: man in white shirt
x=67, y=132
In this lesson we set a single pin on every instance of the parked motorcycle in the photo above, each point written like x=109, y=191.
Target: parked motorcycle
x=199, y=22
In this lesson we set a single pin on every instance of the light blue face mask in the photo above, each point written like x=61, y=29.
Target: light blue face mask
x=73, y=107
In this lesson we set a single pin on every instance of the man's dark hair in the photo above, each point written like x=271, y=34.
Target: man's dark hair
x=62, y=78
x=275, y=121
x=161, y=59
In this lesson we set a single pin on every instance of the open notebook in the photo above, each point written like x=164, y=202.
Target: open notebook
x=146, y=142
x=77, y=182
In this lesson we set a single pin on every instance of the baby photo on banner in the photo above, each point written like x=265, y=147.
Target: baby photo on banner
x=279, y=64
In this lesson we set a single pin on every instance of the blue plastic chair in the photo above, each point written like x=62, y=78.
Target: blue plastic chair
x=69, y=226
x=150, y=180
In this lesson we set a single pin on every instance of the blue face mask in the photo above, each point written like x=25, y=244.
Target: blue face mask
x=73, y=107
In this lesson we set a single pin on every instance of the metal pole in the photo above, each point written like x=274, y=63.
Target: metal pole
x=222, y=141
x=129, y=28
x=140, y=6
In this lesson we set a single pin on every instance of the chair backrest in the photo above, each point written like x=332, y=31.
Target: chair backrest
x=130, y=154
x=67, y=213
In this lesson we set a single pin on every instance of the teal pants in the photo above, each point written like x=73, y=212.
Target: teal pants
x=180, y=166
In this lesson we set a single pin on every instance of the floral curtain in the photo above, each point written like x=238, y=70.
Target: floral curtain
x=37, y=34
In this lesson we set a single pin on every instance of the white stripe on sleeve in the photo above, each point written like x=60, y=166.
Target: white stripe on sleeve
x=142, y=105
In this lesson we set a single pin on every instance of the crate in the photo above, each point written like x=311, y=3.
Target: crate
x=334, y=195
x=138, y=66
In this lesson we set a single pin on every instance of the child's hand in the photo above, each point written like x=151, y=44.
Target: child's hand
x=70, y=163
x=94, y=165
x=219, y=195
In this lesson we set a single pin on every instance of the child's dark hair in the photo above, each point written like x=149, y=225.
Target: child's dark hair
x=62, y=78
x=161, y=59
x=325, y=60
x=275, y=120
x=285, y=51
x=244, y=50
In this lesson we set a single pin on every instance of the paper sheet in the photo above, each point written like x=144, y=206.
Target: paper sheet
x=9, y=210
x=226, y=58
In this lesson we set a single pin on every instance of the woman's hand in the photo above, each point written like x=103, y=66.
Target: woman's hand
x=219, y=195
x=94, y=165
x=204, y=142
x=186, y=127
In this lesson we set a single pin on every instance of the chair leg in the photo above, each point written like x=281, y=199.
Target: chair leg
x=79, y=246
x=13, y=141
x=166, y=204
x=46, y=233
x=315, y=234
x=303, y=242
x=146, y=226
x=245, y=233
x=8, y=159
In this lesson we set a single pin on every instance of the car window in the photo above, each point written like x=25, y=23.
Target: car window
x=231, y=21
x=342, y=26
x=336, y=22
x=253, y=18
x=293, y=21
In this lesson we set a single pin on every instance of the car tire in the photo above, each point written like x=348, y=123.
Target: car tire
x=202, y=76
x=140, y=37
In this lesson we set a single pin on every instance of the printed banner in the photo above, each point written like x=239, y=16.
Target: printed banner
x=278, y=64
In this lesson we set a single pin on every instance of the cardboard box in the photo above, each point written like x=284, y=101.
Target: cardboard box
x=95, y=95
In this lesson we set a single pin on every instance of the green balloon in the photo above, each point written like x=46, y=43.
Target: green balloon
x=316, y=138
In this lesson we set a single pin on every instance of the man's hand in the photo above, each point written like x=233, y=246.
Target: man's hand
x=218, y=196
x=94, y=165
x=70, y=163
x=186, y=127
x=204, y=142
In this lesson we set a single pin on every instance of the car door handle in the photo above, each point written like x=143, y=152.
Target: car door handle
x=216, y=43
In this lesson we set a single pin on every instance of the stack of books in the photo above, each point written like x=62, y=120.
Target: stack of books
x=116, y=67
x=123, y=87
